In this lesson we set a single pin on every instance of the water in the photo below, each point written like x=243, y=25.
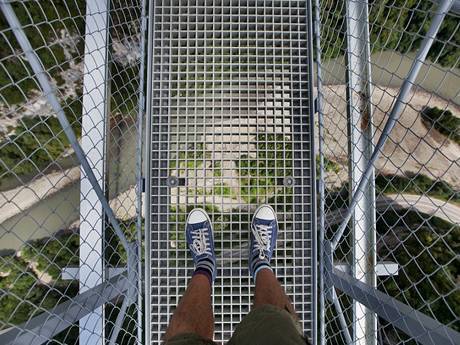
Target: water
x=61, y=209
x=389, y=69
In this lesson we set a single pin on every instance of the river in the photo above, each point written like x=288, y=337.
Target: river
x=389, y=69
x=62, y=208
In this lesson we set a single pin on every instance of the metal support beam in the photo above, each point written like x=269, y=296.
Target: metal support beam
x=360, y=147
x=384, y=268
x=93, y=142
x=73, y=273
x=341, y=316
x=415, y=324
x=119, y=322
x=139, y=168
x=321, y=187
x=45, y=326
x=455, y=6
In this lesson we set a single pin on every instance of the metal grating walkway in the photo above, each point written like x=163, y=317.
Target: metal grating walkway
x=230, y=129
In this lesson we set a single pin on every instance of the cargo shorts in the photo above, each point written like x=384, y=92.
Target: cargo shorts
x=265, y=325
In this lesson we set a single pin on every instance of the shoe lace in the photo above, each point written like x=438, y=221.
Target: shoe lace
x=262, y=235
x=200, y=243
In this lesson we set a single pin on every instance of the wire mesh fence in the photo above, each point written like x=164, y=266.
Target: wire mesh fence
x=417, y=184
x=55, y=240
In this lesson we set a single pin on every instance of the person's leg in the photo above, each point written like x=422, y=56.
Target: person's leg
x=272, y=320
x=194, y=312
x=264, y=233
x=193, y=320
x=270, y=292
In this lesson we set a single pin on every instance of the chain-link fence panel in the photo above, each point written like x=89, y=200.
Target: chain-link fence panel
x=63, y=258
x=417, y=185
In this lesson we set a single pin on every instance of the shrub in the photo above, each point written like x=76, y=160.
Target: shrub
x=444, y=121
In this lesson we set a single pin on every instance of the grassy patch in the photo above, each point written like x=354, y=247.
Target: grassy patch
x=329, y=165
x=217, y=169
x=53, y=254
x=258, y=176
x=444, y=121
x=223, y=190
x=190, y=157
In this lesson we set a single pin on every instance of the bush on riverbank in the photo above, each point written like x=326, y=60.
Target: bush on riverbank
x=396, y=184
x=444, y=121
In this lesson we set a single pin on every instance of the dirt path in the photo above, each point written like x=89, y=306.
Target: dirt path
x=411, y=147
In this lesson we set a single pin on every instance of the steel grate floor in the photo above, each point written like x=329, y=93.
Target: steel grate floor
x=230, y=129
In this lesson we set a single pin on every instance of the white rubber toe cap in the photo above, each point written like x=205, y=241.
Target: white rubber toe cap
x=197, y=215
x=265, y=212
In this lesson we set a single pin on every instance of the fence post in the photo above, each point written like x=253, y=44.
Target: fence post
x=95, y=108
x=360, y=145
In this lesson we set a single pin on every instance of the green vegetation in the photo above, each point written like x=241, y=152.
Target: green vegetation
x=217, y=169
x=394, y=25
x=115, y=253
x=223, y=190
x=416, y=184
x=395, y=184
x=426, y=250
x=329, y=165
x=258, y=176
x=18, y=283
x=43, y=20
x=124, y=89
x=37, y=142
x=444, y=121
x=190, y=157
x=52, y=254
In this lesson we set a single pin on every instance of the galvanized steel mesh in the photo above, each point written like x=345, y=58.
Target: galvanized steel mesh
x=40, y=197
x=230, y=130
x=417, y=185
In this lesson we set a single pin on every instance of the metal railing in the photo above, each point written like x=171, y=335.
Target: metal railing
x=71, y=98
x=388, y=124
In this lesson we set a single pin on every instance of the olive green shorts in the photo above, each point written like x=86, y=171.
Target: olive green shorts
x=266, y=325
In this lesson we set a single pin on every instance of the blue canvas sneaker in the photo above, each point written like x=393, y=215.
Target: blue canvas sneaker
x=198, y=231
x=264, y=231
